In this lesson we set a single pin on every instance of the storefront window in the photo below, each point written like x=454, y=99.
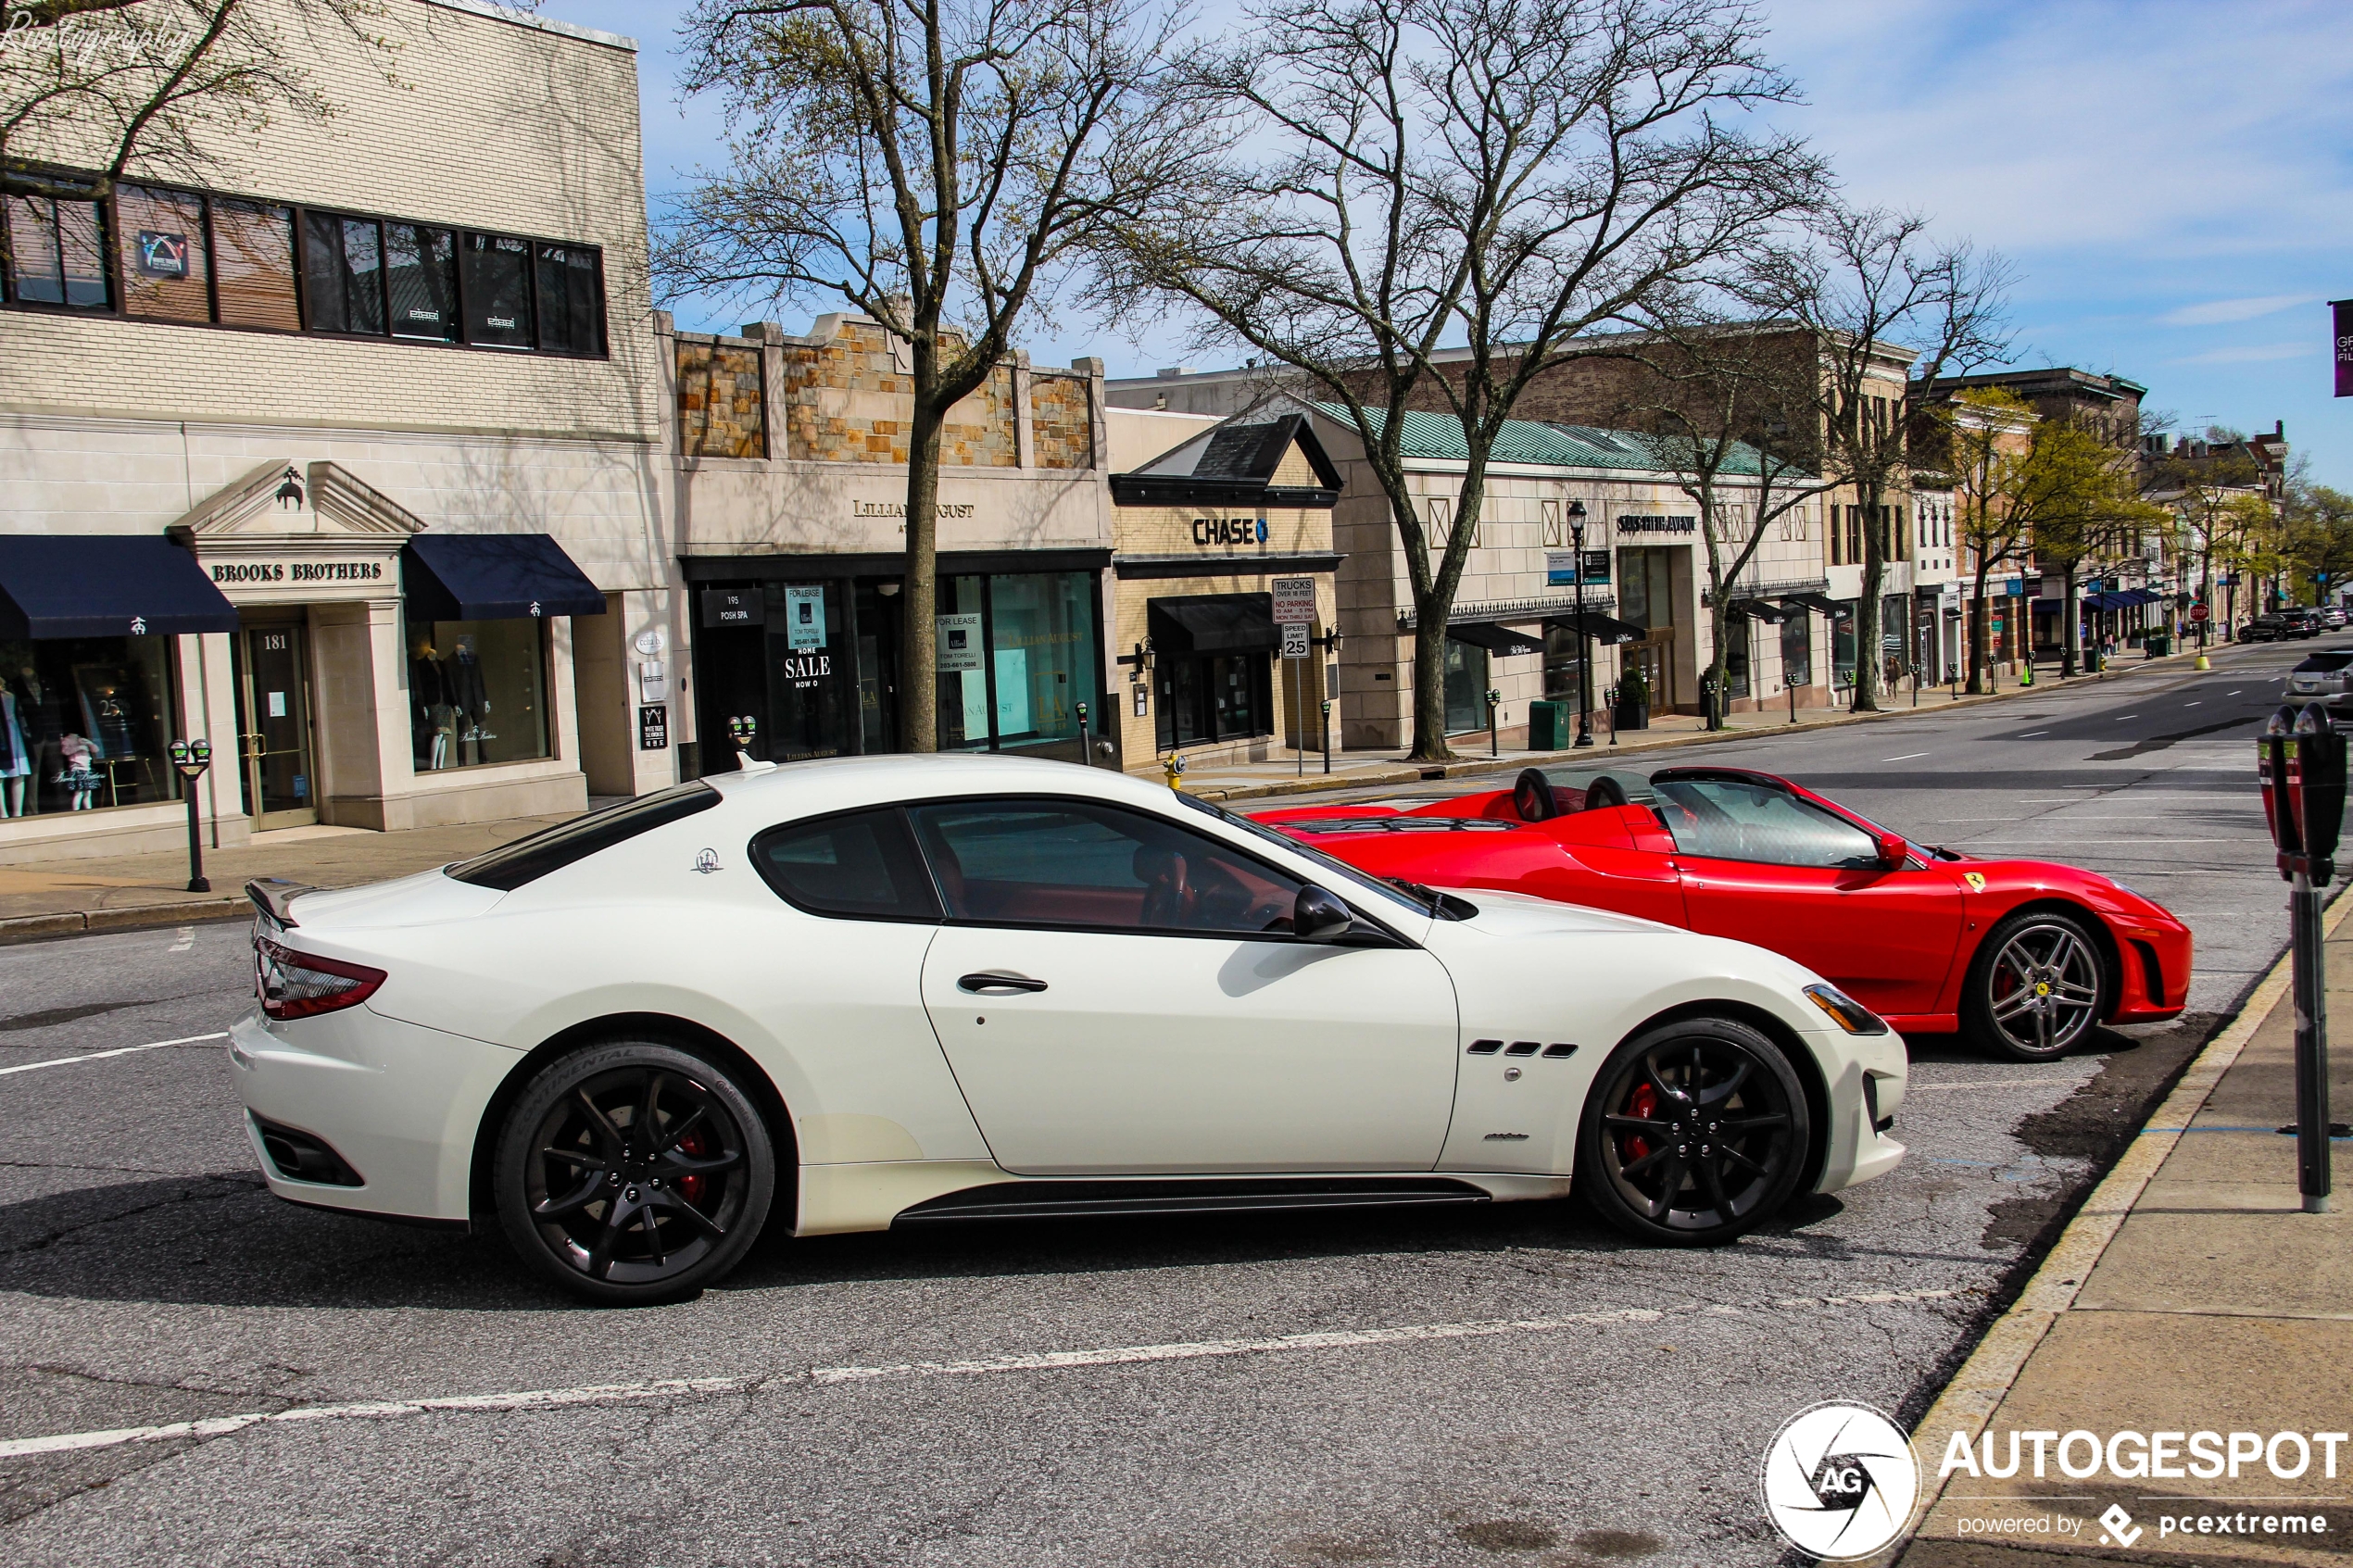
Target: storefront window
x=962, y=651
x=1797, y=649
x=1738, y=632
x=1563, y=663
x=1466, y=686
x=85, y=724
x=1041, y=647
x=477, y=692
x=808, y=672
x=1842, y=645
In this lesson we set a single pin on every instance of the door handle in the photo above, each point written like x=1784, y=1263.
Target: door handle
x=998, y=984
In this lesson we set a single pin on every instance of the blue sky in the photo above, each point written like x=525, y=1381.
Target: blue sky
x=2174, y=181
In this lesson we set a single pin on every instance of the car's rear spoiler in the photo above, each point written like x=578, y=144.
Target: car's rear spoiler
x=273, y=895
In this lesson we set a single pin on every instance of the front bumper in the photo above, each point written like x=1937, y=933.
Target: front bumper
x=1866, y=1075
x=2155, y=978
x=398, y=1102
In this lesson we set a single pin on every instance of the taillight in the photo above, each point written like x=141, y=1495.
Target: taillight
x=294, y=984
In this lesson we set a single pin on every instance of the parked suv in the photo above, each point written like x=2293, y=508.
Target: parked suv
x=2300, y=620
x=2322, y=678
x=2264, y=629
x=2333, y=616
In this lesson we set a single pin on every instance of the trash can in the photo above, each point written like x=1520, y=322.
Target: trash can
x=1548, y=726
x=2158, y=645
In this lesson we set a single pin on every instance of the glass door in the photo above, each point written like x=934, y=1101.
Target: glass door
x=274, y=724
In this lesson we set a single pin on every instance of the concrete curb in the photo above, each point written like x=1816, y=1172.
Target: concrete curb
x=1986, y=1378
x=43, y=928
x=1411, y=773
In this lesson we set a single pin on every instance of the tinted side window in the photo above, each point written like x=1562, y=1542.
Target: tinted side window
x=1076, y=864
x=527, y=859
x=863, y=866
x=1736, y=822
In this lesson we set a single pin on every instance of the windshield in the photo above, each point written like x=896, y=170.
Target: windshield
x=1387, y=900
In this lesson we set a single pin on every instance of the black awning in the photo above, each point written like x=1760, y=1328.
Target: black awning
x=1821, y=602
x=1761, y=609
x=106, y=586
x=1603, y=628
x=1214, y=623
x=494, y=577
x=1501, y=640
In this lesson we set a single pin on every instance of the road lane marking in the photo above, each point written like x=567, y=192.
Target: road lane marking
x=1907, y=756
x=119, y=1050
x=1039, y=1360
x=2031, y=735
x=2122, y=717
x=2200, y=703
x=1999, y=1084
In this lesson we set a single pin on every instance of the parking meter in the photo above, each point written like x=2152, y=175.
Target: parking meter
x=2272, y=750
x=2317, y=774
x=190, y=759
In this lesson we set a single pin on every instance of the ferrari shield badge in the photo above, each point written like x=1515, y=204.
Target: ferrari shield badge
x=1976, y=883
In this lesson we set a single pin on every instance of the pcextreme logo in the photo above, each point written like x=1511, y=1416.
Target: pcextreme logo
x=1840, y=1481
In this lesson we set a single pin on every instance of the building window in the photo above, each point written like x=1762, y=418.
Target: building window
x=342, y=274
x=1564, y=662
x=572, y=300
x=194, y=258
x=1797, y=650
x=1842, y=645
x=85, y=724
x=1042, y=650
x=165, y=268
x=1739, y=633
x=1466, y=686
x=497, y=284
x=253, y=268
x=421, y=271
x=477, y=692
x=1214, y=696
x=58, y=252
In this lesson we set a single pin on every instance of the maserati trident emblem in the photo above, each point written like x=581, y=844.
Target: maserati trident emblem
x=707, y=862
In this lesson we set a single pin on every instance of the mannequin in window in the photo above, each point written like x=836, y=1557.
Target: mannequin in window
x=40, y=714
x=428, y=689
x=16, y=757
x=471, y=698
x=77, y=777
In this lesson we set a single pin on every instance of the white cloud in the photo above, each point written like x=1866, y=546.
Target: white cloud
x=2250, y=353
x=2215, y=313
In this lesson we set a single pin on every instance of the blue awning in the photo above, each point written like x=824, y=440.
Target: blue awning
x=106, y=586
x=493, y=577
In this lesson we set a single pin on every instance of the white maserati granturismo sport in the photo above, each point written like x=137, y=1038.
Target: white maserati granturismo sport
x=871, y=992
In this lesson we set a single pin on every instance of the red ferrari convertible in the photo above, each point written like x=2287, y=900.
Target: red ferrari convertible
x=2023, y=956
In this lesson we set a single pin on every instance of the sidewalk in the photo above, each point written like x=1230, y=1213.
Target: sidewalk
x=121, y=892
x=2191, y=1295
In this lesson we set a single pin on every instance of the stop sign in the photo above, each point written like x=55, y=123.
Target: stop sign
x=2198, y=612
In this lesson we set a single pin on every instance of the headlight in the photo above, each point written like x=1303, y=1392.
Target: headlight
x=1849, y=1014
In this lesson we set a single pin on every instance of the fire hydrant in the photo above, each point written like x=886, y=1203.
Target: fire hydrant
x=1174, y=766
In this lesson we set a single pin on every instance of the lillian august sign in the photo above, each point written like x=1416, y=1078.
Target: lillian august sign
x=958, y=510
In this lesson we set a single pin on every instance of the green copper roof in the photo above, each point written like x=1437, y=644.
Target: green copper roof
x=1439, y=438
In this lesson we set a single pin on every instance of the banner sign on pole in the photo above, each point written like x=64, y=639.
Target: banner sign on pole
x=1294, y=600
x=2341, y=317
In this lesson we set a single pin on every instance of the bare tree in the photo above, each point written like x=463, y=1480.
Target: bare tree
x=1880, y=300
x=933, y=163
x=1493, y=178
x=92, y=91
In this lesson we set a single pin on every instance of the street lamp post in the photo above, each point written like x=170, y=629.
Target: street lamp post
x=191, y=758
x=1495, y=742
x=1584, y=651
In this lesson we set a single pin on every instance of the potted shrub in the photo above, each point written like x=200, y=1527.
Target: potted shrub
x=1633, y=704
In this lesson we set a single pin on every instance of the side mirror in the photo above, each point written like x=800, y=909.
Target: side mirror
x=1894, y=852
x=1320, y=916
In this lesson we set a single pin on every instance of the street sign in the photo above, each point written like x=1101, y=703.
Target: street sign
x=1294, y=601
x=2200, y=612
x=1294, y=639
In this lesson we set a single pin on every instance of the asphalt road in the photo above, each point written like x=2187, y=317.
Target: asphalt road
x=1512, y=1384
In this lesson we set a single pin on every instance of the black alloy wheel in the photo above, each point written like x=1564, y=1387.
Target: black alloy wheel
x=633, y=1173
x=2038, y=985
x=1695, y=1130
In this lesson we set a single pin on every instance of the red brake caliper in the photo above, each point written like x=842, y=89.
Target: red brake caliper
x=1644, y=1103
x=695, y=1145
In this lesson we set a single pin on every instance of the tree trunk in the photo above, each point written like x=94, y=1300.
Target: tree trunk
x=1429, y=681
x=1866, y=627
x=2066, y=621
x=1977, y=640
x=918, y=635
